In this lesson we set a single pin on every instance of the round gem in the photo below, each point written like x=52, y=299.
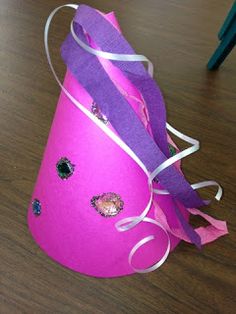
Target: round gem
x=36, y=206
x=64, y=168
x=107, y=204
x=98, y=114
x=172, y=150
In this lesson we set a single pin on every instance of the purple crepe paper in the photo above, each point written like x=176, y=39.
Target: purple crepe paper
x=89, y=72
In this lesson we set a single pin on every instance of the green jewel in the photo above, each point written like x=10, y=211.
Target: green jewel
x=64, y=168
x=172, y=150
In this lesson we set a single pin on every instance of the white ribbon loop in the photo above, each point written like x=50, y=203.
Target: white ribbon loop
x=146, y=240
x=186, y=152
x=112, y=56
x=197, y=186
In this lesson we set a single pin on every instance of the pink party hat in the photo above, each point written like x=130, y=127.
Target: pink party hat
x=97, y=207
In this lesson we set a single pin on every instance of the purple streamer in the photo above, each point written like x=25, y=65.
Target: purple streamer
x=109, y=39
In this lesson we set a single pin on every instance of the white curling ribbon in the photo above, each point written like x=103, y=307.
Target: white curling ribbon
x=197, y=186
x=112, y=56
x=121, y=224
x=100, y=124
x=146, y=240
x=186, y=152
x=195, y=143
x=130, y=222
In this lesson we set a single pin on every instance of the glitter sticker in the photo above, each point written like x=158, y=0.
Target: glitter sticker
x=98, y=114
x=64, y=168
x=107, y=204
x=36, y=206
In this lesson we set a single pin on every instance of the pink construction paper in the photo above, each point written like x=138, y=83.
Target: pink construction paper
x=69, y=229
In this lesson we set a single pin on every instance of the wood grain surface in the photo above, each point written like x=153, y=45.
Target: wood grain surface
x=179, y=37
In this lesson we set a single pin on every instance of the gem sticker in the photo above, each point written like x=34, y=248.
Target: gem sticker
x=36, y=206
x=107, y=204
x=98, y=114
x=172, y=150
x=64, y=168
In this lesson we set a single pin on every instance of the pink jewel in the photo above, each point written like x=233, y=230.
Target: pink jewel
x=107, y=204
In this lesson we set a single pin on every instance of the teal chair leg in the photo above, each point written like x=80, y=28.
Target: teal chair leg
x=227, y=35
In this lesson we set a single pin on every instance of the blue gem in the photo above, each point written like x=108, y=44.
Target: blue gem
x=36, y=205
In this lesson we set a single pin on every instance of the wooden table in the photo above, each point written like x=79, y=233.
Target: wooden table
x=179, y=37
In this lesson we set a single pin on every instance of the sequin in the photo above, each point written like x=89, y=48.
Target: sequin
x=64, y=168
x=98, y=114
x=36, y=206
x=172, y=150
x=107, y=204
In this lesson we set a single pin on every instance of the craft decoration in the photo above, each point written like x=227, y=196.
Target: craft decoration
x=64, y=168
x=97, y=112
x=36, y=206
x=107, y=204
x=118, y=203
